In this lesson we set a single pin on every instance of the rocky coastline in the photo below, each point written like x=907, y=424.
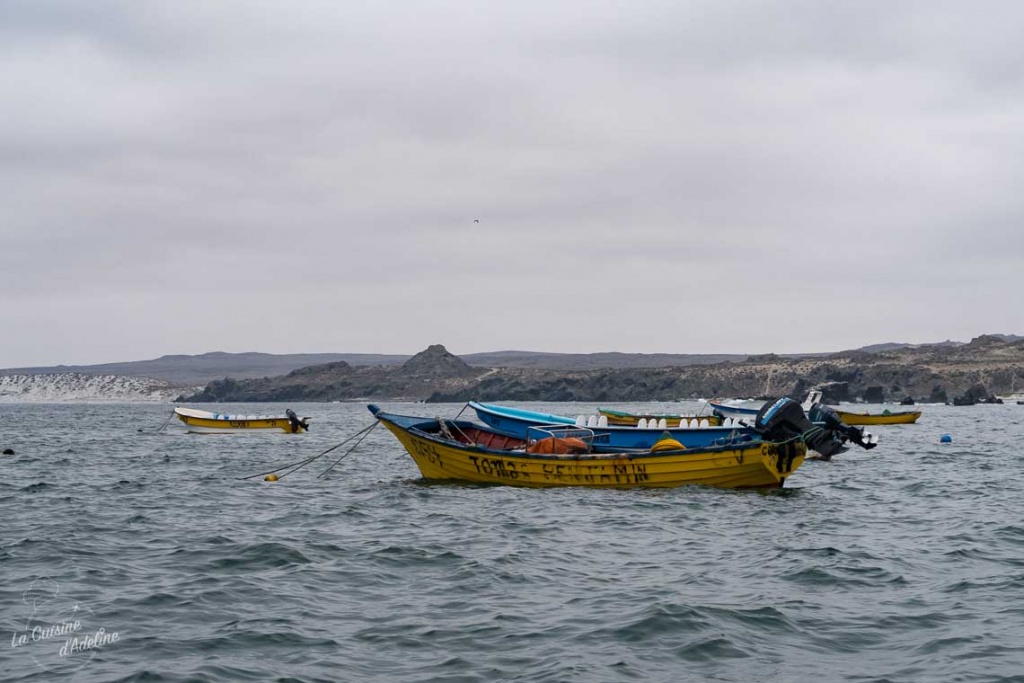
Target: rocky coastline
x=933, y=373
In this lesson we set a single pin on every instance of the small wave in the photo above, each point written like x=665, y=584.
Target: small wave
x=913, y=622
x=400, y=556
x=710, y=650
x=945, y=644
x=262, y=556
x=812, y=576
x=662, y=621
x=1011, y=534
x=37, y=487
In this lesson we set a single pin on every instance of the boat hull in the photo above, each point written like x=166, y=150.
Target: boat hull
x=201, y=422
x=751, y=465
x=858, y=419
x=519, y=423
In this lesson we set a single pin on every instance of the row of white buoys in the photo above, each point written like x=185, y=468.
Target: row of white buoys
x=662, y=423
x=655, y=423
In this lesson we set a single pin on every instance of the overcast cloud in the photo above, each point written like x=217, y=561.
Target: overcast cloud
x=648, y=176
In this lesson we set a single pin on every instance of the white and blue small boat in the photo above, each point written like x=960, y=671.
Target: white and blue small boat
x=746, y=411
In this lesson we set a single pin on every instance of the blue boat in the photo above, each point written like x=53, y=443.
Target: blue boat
x=517, y=422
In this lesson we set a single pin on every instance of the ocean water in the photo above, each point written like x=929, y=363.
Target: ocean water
x=905, y=563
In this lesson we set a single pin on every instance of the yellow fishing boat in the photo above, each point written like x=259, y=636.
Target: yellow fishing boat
x=205, y=422
x=884, y=418
x=624, y=419
x=562, y=456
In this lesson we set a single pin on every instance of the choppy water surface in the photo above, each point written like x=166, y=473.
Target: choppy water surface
x=905, y=563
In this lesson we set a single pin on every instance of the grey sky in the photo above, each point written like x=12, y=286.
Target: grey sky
x=186, y=176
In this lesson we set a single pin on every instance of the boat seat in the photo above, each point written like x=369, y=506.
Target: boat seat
x=641, y=423
x=704, y=424
x=602, y=421
x=592, y=421
x=581, y=421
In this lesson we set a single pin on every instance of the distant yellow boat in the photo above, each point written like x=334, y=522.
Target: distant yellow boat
x=884, y=418
x=624, y=419
x=468, y=451
x=205, y=422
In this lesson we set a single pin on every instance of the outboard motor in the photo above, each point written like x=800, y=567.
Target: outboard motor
x=781, y=420
x=785, y=419
x=296, y=424
x=823, y=414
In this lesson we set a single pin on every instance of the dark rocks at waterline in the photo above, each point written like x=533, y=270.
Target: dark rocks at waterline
x=977, y=393
x=835, y=393
x=938, y=395
x=874, y=394
x=907, y=401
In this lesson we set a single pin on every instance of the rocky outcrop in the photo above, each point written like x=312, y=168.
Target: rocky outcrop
x=835, y=392
x=874, y=394
x=977, y=393
x=927, y=373
x=416, y=379
x=436, y=363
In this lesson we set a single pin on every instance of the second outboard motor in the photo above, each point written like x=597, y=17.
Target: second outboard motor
x=785, y=419
x=821, y=413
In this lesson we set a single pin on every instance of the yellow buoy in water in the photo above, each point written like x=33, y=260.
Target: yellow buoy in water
x=270, y=477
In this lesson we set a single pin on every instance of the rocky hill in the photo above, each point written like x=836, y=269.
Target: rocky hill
x=932, y=373
x=205, y=367
x=416, y=379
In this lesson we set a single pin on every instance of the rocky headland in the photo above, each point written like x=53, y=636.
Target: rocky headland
x=933, y=373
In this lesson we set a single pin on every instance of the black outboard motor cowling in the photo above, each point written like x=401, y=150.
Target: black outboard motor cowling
x=785, y=419
x=821, y=413
x=781, y=420
x=297, y=425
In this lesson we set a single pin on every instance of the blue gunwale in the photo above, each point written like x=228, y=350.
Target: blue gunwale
x=424, y=427
x=516, y=421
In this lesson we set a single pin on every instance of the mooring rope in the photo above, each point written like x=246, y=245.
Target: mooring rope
x=169, y=418
x=346, y=453
x=299, y=464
